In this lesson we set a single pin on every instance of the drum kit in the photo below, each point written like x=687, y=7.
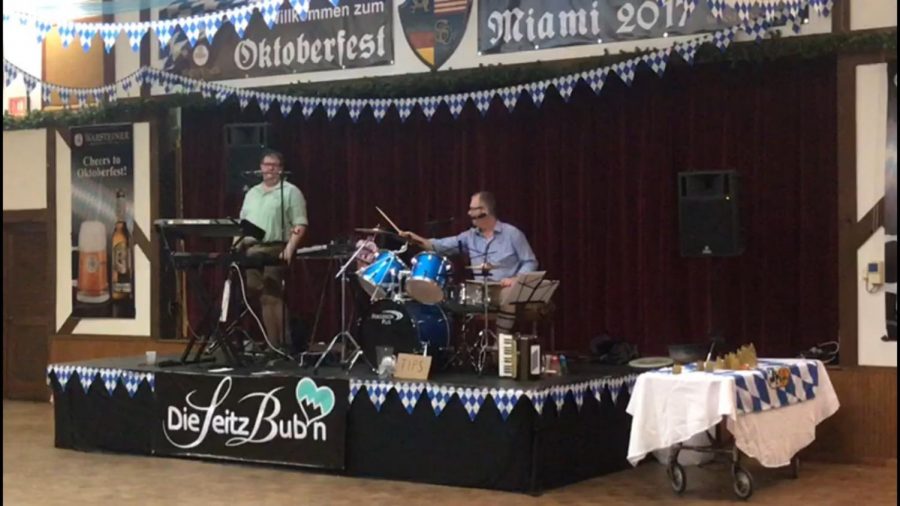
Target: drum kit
x=414, y=307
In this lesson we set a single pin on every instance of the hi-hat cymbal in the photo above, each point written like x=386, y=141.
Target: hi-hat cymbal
x=480, y=267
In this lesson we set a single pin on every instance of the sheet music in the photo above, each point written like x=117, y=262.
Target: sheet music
x=522, y=289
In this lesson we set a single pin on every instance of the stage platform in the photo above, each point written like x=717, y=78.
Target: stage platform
x=456, y=429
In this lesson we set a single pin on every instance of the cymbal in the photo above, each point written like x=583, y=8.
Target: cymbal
x=381, y=231
x=480, y=267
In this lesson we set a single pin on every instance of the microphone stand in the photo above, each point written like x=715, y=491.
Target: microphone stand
x=345, y=332
x=284, y=325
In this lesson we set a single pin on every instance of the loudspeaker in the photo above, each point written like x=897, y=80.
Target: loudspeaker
x=708, y=214
x=244, y=146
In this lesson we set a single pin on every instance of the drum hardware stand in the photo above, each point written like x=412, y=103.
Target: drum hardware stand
x=485, y=336
x=344, y=334
x=466, y=353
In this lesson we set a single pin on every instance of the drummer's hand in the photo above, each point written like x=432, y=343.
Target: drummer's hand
x=507, y=282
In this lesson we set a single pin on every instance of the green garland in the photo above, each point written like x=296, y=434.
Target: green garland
x=457, y=81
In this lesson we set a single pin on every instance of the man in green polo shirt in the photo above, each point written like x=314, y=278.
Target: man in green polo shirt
x=262, y=207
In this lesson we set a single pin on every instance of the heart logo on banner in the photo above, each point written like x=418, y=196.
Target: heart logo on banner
x=313, y=399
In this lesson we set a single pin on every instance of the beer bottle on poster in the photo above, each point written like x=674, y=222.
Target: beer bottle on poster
x=121, y=253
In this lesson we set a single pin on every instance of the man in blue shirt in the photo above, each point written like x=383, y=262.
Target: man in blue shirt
x=490, y=241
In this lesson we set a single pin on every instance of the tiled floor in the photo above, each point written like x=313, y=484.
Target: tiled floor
x=36, y=473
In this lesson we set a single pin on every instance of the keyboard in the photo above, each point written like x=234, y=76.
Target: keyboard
x=506, y=349
x=212, y=228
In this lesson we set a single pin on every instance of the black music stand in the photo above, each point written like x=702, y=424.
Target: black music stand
x=344, y=334
x=528, y=288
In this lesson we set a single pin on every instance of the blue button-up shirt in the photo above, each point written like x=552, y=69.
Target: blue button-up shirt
x=507, y=250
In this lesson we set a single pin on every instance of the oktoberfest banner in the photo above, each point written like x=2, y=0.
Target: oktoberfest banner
x=890, y=205
x=351, y=34
x=103, y=221
x=507, y=26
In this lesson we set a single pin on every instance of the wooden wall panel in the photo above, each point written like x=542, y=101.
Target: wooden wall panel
x=864, y=430
x=69, y=349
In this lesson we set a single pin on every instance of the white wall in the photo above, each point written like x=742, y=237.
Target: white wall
x=871, y=129
x=865, y=14
x=140, y=325
x=20, y=47
x=25, y=170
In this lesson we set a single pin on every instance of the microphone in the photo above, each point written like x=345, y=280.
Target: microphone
x=260, y=173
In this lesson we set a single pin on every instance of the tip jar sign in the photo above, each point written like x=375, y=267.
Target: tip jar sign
x=103, y=221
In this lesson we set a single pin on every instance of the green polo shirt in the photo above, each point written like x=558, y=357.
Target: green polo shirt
x=262, y=206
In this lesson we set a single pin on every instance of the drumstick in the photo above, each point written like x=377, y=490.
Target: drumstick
x=388, y=219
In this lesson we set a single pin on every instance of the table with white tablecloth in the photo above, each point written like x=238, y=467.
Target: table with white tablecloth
x=770, y=420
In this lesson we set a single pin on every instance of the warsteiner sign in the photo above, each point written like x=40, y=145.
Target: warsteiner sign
x=286, y=420
x=353, y=34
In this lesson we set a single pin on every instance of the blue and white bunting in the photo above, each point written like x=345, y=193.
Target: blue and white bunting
x=472, y=399
x=269, y=11
x=505, y=400
x=377, y=392
x=191, y=27
x=409, y=394
x=565, y=85
x=85, y=34
x=301, y=7
x=456, y=103
x=135, y=33
x=439, y=395
x=66, y=34
x=109, y=34
x=164, y=30
x=240, y=18
x=332, y=105
x=41, y=28
x=404, y=107
x=717, y=8
x=537, y=91
x=509, y=96
x=625, y=70
x=757, y=29
x=429, y=105
x=723, y=38
x=207, y=24
x=286, y=104
x=482, y=100
x=379, y=108
x=308, y=106
x=596, y=79
x=658, y=60
x=211, y=24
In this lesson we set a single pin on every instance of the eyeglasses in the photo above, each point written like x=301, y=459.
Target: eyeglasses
x=270, y=164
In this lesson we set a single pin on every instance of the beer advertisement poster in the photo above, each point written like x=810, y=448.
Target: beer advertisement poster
x=103, y=221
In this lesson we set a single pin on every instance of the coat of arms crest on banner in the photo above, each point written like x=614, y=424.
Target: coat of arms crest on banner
x=434, y=28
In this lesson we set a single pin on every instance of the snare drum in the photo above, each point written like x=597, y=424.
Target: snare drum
x=383, y=276
x=428, y=277
x=473, y=294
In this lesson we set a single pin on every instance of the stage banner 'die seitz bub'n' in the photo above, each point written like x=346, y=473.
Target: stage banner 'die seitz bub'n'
x=102, y=221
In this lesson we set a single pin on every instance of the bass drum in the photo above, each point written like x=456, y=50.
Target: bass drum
x=407, y=327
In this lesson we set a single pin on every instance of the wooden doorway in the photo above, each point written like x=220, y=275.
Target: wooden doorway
x=26, y=307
